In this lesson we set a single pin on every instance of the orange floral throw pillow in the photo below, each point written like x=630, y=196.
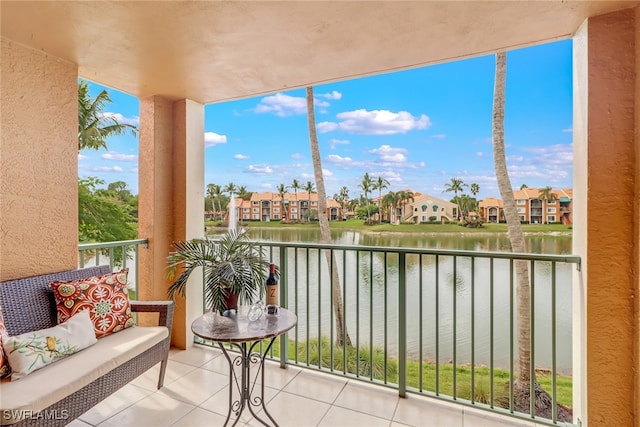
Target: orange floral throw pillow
x=106, y=297
x=5, y=369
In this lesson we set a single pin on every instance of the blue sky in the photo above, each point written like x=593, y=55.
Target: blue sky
x=416, y=128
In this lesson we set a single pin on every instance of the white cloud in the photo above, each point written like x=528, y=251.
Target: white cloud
x=389, y=175
x=112, y=155
x=386, y=153
x=334, y=158
x=334, y=95
x=439, y=136
x=212, y=138
x=259, y=169
x=282, y=105
x=569, y=129
x=133, y=121
x=106, y=169
x=324, y=127
x=240, y=156
x=326, y=172
x=552, y=164
x=82, y=157
x=479, y=153
x=320, y=103
x=297, y=156
x=333, y=143
x=376, y=122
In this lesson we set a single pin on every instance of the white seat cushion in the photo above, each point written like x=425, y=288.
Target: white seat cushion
x=52, y=383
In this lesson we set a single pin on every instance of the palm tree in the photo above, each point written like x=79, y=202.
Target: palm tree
x=282, y=190
x=94, y=127
x=295, y=186
x=542, y=402
x=214, y=192
x=523, y=186
x=474, y=188
x=342, y=336
x=456, y=185
x=243, y=193
x=366, y=185
x=232, y=189
x=380, y=184
x=391, y=200
x=342, y=197
x=404, y=197
x=547, y=195
x=309, y=187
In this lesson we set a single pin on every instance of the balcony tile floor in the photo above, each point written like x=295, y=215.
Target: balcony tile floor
x=195, y=393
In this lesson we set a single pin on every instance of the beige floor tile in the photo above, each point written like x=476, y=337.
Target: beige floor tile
x=315, y=385
x=219, y=403
x=418, y=411
x=175, y=370
x=293, y=410
x=195, y=387
x=200, y=418
x=347, y=418
x=195, y=355
x=78, y=423
x=156, y=410
x=369, y=399
x=217, y=364
x=277, y=377
x=479, y=418
x=397, y=424
x=120, y=400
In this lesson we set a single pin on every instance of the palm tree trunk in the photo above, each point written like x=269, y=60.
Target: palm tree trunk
x=342, y=336
x=522, y=385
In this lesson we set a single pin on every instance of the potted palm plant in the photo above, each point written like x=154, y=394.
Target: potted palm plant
x=234, y=267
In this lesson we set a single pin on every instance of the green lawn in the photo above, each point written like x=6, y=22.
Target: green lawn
x=374, y=367
x=356, y=224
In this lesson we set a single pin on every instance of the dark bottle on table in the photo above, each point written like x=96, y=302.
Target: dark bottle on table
x=272, y=291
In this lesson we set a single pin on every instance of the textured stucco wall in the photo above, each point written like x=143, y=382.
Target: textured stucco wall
x=637, y=225
x=171, y=199
x=38, y=163
x=605, y=181
x=155, y=210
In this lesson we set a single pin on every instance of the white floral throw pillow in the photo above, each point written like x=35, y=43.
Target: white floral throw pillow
x=34, y=350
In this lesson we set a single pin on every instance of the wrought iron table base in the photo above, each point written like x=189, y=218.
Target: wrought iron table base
x=245, y=385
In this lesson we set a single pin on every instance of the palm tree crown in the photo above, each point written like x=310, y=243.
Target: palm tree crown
x=94, y=125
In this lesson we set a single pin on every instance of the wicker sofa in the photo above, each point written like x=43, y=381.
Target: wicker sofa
x=62, y=391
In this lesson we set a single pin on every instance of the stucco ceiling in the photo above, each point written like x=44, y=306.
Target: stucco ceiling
x=211, y=51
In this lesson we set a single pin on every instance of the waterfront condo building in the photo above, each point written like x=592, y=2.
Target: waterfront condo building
x=268, y=206
x=532, y=207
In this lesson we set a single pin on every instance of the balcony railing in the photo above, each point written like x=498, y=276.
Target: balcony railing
x=118, y=255
x=442, y=323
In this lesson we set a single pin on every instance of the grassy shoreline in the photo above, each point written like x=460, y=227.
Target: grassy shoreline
x=372, y=365
x=424, y=229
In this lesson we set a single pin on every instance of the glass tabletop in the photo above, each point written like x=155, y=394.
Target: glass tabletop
x=234, y=327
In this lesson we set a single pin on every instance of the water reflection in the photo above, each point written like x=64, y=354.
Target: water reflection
x=449, y=300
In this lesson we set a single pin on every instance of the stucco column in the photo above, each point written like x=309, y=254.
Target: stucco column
x=606, y=220
x=171, y=199
x=38, y=162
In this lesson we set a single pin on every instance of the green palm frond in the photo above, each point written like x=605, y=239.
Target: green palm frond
x=231, y=263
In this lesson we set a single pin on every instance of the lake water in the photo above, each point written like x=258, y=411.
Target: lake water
x=453, y=287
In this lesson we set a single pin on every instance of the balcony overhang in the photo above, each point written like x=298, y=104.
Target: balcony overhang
x=211, y=51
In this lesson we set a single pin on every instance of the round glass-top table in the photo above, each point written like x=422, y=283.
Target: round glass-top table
x=249, y=338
